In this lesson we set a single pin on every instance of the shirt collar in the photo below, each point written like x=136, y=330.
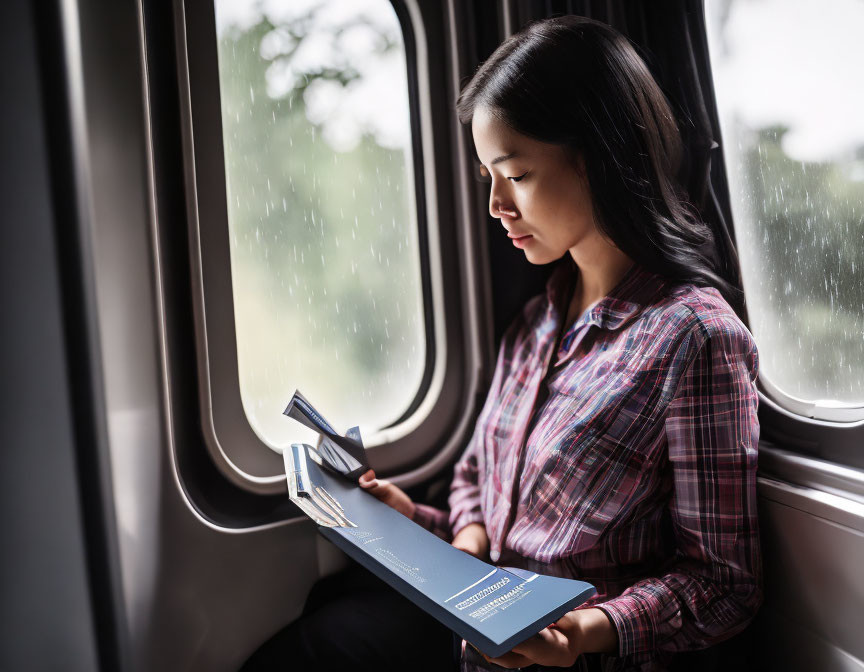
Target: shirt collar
x=633, y=292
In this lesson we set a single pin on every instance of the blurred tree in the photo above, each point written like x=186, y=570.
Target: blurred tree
x=324, y=241
x=809, y=224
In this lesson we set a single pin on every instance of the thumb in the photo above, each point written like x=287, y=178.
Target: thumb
x=368, y=480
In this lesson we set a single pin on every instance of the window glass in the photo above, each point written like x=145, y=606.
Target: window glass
x=787, y=76
x=322, y=211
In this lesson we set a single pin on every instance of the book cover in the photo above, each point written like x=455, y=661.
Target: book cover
x=493, y=608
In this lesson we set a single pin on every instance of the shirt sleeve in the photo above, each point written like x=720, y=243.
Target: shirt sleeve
x=468, y=473
x=465, y=492
x=714, y=587
x=434, y=520
x=465, y=499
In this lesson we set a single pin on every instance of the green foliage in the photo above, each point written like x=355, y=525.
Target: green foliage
x=325, y=260
x=808, y=220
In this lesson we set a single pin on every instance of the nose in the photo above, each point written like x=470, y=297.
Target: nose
x=500, y=206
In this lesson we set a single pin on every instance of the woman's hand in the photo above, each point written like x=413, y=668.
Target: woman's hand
x=559, y=645
x=392, y=495
x=473, y=540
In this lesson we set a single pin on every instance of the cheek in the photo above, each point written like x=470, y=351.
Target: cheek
x=555, y=205
x=572, y=205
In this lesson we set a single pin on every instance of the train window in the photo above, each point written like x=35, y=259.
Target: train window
x=793, y=135
x=322, y=211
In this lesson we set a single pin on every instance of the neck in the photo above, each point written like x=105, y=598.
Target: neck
x=600, y=270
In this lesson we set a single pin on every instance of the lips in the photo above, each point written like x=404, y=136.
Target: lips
x=520, y=241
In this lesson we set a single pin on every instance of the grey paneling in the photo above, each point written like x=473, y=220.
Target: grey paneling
x=195, y=596
x=813, y=617
x=46, y=621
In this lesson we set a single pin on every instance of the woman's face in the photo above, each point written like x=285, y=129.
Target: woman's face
x=538, y=192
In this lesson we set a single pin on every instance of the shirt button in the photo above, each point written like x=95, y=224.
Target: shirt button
x=494, y=555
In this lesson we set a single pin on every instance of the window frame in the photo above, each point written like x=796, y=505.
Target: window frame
x=832, y=434
x=440, y=414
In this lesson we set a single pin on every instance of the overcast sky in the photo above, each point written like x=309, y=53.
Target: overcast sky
x=794, y=62
x=775, y=61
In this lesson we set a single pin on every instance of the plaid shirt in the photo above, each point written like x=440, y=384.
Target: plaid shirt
x=638, y=471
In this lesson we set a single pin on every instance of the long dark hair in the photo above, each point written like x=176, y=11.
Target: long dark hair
x=578, y=83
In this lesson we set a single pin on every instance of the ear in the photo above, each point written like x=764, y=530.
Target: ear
x=580, y=165
x=577, y=160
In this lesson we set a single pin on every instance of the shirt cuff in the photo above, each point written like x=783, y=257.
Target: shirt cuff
x=632, y=616
x=432, y=519
x=458, y=520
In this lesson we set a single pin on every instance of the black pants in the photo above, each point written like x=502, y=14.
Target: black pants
x=353, y=621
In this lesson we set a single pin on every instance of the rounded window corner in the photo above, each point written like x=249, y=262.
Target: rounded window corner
x=819, y=410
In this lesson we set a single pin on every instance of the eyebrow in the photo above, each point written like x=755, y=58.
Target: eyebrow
x=499, y=159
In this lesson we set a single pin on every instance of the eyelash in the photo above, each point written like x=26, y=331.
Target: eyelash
x=483, y=175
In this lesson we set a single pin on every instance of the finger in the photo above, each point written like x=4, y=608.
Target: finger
x=510, y=660
x=367, y=476
x=547, y=647
x=530, y=645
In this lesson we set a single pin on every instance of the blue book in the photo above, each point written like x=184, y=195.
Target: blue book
x=493, y=608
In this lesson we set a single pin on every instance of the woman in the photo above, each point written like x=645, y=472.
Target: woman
x=618, y=441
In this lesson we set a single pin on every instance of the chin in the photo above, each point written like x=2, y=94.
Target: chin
x=540, y=258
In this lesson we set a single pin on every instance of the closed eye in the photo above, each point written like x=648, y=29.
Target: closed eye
x=516, y=179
